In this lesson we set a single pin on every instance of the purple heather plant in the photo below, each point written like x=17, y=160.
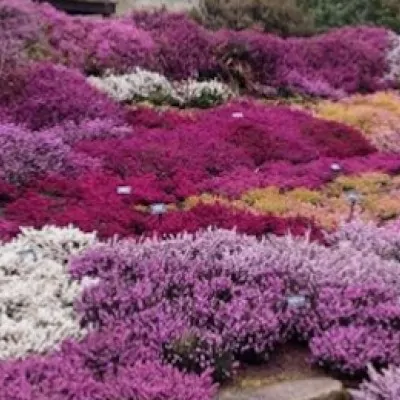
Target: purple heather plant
x=19, y=32
x=26, y=155
x=43, y=95
x=379, y=386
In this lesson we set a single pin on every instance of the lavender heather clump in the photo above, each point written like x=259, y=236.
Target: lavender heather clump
x=349, y=349
x=236, y=288
x=379, y=386
x=383, y=241
x=241, y=311
x=19, y=32
x=25, y=155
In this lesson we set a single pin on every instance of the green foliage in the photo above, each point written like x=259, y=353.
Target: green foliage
x=331, y=13
x=283, y=17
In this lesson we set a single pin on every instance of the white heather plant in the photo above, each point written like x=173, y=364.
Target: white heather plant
x=136, y=86
x=203, y=94
x=36, y=291
x=142, y=85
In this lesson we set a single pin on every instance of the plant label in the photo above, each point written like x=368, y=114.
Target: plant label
x=237, y=115
x=335, y=167
x=124, y=190
x=158, y=208
x=296, y=301
x=24, y=254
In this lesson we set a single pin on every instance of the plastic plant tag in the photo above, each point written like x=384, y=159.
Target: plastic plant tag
x=352, y=196
x=24, y=254
x=296, y=301
x=158, y=208
x=88, y=282
x=124, y=189
x=237, y=115
x=335, y=167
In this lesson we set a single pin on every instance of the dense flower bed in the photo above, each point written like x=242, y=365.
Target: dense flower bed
x=342, y=61
x=147, y=305
x=201, y=239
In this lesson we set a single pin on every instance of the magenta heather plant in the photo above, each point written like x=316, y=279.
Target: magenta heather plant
x=339, y=62
x=19, y=31
x=184, y=49
x=95, y=45
x=223, y=144
x=346, y=60
x=43, y=95
x=92, y=203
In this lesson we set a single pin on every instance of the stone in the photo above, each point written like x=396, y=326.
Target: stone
x=303, y=389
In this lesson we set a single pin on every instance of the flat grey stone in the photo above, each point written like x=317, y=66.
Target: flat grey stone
x=304, y=389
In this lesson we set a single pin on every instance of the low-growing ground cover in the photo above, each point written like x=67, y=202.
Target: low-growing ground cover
x=150, y=250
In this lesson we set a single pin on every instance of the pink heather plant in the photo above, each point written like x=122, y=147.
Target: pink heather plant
x=184, y=49
x=26, y=155
x=95, y=45
x=379, y=386
x=339, y=62
x=19, y=32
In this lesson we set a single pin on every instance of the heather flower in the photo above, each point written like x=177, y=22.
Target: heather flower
x=26, y=155
x=37, y=294
x=138, y=85
x=382, y=385
x=45, y=95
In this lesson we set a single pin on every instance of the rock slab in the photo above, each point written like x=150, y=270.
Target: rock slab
x=304, y=389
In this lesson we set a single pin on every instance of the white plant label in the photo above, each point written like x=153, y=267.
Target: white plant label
x=336, y=167
x=296, y=301
x=158, y=208
x=237, y=115
x=24, y=254
x=124, y=190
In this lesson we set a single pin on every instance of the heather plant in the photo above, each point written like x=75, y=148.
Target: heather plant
x=184, y=49
x=382, y=385
x=142, y=85
x=340, y=304
x=95, y=45
x=27, y=155
x=309, y=66
x=203, y=94
x=43, y=95
x=93, y=203
x=377, y=197
x=19, y=32
x=377, y=116
x=144, y=380
x=36, y=293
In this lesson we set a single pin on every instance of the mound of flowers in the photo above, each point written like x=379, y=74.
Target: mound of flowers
x=151, y=332
x=149, y=251
x=334, y=64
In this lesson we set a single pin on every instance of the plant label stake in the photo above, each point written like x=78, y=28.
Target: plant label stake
x=296, y=301
x=25, y=253
x=158, y=209
x=237, y=115
x=336, y=168
x=124, y=190
x=353, y=198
